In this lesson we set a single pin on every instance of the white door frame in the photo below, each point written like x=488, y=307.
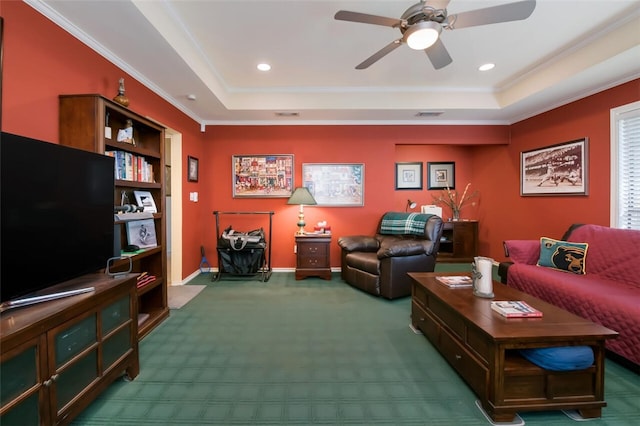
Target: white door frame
x=176, y=205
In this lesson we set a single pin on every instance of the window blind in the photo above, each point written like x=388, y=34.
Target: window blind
x=627, y=162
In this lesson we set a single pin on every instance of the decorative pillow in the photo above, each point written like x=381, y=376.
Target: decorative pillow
x=563, y=255
x=563, y=358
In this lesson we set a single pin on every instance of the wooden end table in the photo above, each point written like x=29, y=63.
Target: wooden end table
x=313, y=256
x=482, y=347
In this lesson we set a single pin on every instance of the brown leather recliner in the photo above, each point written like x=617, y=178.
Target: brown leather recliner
x=379, y=264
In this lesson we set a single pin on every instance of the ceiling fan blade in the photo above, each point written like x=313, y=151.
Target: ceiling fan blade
x=345, y=15
x=438, y=55
x=379, y=54
x=493, y=15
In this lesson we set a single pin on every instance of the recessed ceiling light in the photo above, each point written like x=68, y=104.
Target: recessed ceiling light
x=264, y=67
x=486, y=67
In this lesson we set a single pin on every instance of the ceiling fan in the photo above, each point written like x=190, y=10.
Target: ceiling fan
x=422, y=23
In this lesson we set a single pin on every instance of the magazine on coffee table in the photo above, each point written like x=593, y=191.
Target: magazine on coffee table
x=456, y=281
x=515, y=309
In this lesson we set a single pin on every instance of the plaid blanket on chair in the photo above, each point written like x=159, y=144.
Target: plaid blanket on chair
x=397, y=223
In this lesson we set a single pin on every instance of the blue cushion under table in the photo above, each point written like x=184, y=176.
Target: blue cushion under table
x=562, y=358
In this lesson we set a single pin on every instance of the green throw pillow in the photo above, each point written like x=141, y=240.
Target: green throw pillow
x=563, y=255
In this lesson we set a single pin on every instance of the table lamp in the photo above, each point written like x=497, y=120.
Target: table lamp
x=301, y=196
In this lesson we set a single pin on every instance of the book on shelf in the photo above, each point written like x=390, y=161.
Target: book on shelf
x=131, y=167
x=515, y=309
x=142, y=317
x=456, y=281
x=145, y=278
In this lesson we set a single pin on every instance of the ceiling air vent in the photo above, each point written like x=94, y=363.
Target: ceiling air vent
x=287, y=114
x=429, y=113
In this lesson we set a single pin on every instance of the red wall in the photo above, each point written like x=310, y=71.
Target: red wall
x=42, y=61
x=378, y=147
x=507, y=215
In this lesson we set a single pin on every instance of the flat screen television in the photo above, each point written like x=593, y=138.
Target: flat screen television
x=56, y=213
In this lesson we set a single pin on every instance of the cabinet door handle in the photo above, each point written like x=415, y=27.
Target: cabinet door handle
x=50, y=381
x=458, y=357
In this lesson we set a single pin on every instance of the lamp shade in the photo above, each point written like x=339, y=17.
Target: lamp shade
x=422, y=35
x=302, y=196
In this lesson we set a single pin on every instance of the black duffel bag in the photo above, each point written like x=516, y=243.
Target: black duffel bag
x=235, y=240
x=242, y=253
x=241, y=262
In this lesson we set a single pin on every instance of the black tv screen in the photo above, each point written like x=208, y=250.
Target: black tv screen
x=56, y=213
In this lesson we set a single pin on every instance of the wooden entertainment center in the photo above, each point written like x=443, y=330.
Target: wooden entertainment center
x=91, y=122
x=59, y=355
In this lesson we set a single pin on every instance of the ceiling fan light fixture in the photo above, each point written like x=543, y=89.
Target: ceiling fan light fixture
x=486, y=67
x=422, y=35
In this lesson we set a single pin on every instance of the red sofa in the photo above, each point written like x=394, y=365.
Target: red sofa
x=608, y=293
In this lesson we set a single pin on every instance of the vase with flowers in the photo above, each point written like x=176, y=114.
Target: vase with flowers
x=453, y=201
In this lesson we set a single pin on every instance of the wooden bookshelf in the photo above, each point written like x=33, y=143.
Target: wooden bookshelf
x=91, y=122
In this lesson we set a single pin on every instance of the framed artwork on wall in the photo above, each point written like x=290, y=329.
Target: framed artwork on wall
x=262, y=176
x=560, y=169
x=337, y=184
x=441, y=175
x=409, y=175
x=192, y=169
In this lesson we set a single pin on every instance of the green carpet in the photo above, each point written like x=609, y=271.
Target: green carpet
x=290, y=352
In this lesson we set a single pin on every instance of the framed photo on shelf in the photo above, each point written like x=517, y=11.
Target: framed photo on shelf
x=145, y=200
x=192, y=169
x=409, y=175
x=338, y=184
x=441, y=175
x=560, y=169
x=142, y=233
x=262, y=176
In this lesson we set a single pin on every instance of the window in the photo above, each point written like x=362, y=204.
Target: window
x=625, y=166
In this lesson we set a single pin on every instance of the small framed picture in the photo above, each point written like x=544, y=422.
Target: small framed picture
x=441, y=175
x=142, y=233
x=409, y=175
x=192, y=168
x=145, y=200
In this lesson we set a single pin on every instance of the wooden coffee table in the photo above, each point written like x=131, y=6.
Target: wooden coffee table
x=482, y=347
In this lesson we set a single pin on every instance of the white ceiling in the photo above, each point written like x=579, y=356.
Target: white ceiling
x=565, y=50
